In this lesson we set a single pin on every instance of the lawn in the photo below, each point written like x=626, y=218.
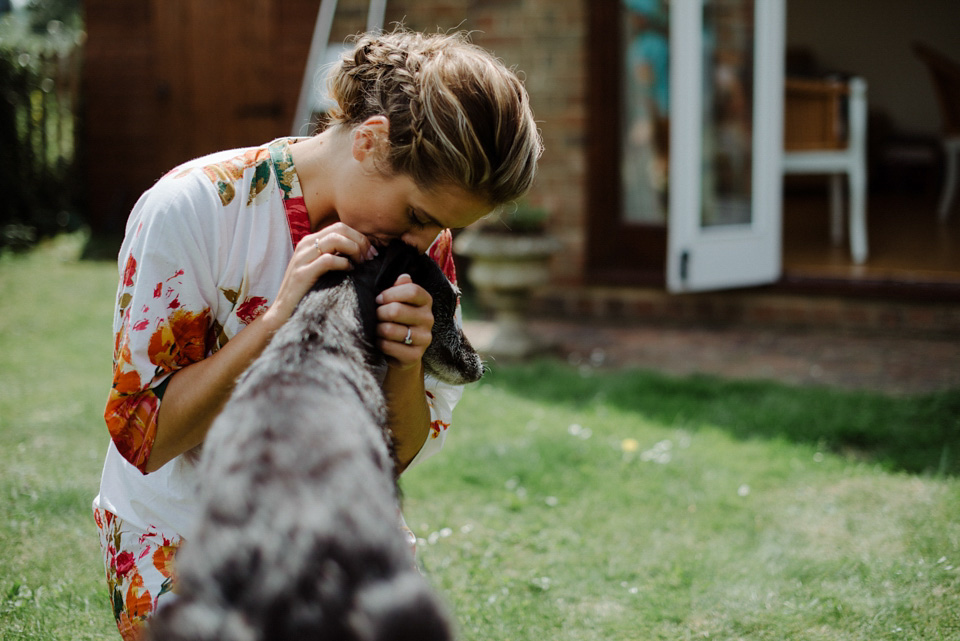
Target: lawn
x=569, y=504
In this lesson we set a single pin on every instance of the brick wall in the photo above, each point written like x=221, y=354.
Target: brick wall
x=144, y=117
x=545, y=40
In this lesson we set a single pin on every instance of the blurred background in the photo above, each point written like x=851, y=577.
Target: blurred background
x=101, y=97
x=587, y=499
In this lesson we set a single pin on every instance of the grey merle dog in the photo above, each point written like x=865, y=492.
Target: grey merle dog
x=299, y=536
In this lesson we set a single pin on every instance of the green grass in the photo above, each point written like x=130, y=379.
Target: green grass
x=55, y=353
x=568, y=504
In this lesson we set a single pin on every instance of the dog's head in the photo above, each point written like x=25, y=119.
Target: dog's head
x=450, y=357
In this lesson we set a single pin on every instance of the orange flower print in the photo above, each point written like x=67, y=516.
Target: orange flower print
x=180, y=340
x=138, y=603
x=132, y=422
x=119, y=343
x=224, y=174
x=126, y=383
x=163, y=558
x=129, y=629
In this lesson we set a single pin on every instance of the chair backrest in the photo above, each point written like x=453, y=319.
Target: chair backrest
x=945, y=74
x=814, y=115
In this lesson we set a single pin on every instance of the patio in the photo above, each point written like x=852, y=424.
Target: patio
x=881, y=362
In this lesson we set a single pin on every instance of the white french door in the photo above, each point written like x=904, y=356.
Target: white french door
x=726, y=106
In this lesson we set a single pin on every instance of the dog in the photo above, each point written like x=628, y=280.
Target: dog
x=299, y=536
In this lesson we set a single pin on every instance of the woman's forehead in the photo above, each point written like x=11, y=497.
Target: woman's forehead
x=451, y=206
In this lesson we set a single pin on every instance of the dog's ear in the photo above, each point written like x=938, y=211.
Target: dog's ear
x=402, y=609
x=450, y=356
x=373, y=276
x=395, y=259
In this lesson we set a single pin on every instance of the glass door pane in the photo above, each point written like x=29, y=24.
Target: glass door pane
x=646, y=110
x=728, y=50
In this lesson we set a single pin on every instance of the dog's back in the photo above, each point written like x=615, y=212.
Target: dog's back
x=300, y=535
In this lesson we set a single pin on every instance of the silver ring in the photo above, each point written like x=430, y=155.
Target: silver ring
x=316, y=243
x=409, y=338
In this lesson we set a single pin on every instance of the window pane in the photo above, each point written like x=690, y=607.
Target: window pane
x=646, y=111
x=727, y=112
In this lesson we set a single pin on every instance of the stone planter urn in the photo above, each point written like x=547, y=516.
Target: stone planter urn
x=506, y=267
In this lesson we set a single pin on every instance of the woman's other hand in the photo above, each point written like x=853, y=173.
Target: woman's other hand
x=405, y=322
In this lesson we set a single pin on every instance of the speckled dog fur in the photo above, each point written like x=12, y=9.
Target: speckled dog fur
x=299, y=537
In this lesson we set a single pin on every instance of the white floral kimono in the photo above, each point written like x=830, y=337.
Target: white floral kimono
x=204, y=254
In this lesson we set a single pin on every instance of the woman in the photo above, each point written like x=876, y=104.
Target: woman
x=429, y=134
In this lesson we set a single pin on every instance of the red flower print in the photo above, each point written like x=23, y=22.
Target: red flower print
x=124, y=563
x=441, y=251
x=436, y=427
x=297, y=218
x=158, y=290
x=250, y=309
x=141, y=325
x=129, y=270
x=174, y=304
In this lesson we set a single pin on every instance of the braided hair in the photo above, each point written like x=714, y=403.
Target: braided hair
x=457, y=115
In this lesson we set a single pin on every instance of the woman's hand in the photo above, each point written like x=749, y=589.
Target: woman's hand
x=405, y=323
x=333, y=248
x=404, y=331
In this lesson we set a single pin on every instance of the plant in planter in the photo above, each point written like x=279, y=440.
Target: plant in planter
x=510, y=254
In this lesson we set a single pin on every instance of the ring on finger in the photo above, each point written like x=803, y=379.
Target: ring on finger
x=316, y=243
x=408, y=340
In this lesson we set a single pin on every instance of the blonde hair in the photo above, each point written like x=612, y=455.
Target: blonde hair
x=457, y=115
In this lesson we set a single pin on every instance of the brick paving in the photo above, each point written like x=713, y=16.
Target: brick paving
x=888, y=363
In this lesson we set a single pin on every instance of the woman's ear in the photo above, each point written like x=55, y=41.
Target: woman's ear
x=370, y=138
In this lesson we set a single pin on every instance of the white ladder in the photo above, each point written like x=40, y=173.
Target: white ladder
x=321, y=54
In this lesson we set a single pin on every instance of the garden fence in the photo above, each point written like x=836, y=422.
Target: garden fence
x=39, y=118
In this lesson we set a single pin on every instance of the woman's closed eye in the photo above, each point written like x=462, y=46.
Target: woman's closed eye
x=418, y=221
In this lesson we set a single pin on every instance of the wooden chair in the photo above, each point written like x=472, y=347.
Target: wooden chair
x=825, y=132
x=945, y=74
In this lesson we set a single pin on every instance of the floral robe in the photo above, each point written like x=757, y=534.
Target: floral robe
x=204, y=254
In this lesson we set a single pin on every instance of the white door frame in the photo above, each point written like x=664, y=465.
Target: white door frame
x=718, y=257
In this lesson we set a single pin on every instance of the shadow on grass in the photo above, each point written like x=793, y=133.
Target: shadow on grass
x=919, y=434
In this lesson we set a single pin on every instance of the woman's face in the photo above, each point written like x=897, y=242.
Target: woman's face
x=385, y=208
